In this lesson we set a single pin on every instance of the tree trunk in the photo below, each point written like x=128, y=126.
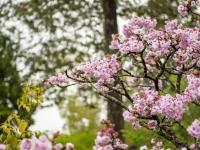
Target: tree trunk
x=110, y=27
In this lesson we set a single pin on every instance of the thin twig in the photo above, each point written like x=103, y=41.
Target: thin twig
x=126, y=92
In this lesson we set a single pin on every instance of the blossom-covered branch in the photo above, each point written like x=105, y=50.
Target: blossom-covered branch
x=149, y=61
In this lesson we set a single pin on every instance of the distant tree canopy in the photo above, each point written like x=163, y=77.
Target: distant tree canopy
x=160, y=9
x=10, y=88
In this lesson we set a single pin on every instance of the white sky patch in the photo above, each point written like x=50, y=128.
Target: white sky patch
x=48, y=119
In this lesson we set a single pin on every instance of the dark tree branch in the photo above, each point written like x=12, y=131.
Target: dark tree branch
x=165, y=62
x=172, y=139
x=74, y=79
x=114, y=100
x=178, y=83
x=126, y=92
x=144, y=66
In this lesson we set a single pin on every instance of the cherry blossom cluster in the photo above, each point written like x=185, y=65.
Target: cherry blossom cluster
x=151, y=56
x=192, y=92
x=156, y=145
x=58, y=79
x=194, y=129
x=125, y=46
x=103, y=71
x=130, y=117
x=107, y=138
x=2, y=147
x=186, y=6
x=144, y=102
x=140, y=32
x=150, y=103
x=169, y=106
x=131, y=43
x=43, y=143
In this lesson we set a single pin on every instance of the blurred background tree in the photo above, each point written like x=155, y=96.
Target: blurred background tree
x=10, y=88
x=161, y=10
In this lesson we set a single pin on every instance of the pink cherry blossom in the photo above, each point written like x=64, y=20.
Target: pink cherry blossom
x=119, y=145
x=138, y=25
x=115, y=42
x=171, y=26
x=194, y=129
x=107, y=138
x=152, y=124
x=183, y=10
x=184, y=7
x=69, y=146
x=193, y=88
x=57, y=79
x=40, y=144
x=102, y=70
x=58, y=146
x=169, y=106
x=27, y=144
x=143, y=147
x=143, y=101
x=131, y=45
x=2, y=147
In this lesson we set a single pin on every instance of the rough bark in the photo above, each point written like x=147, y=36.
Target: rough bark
x=110, y=27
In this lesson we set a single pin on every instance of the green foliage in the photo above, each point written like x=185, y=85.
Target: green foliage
x=142, y=136
x=192, y=113
x=80, y=115
x=14, y=129
x=82, y=139
x=170, y=89
x=13, y=121
x=10, y=88
x=32, y=96
x=16, y=125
